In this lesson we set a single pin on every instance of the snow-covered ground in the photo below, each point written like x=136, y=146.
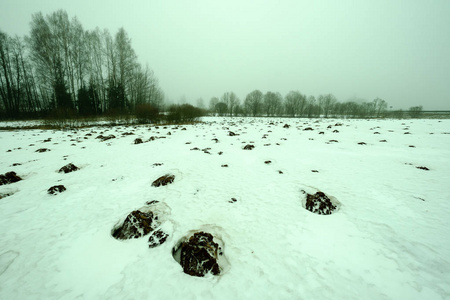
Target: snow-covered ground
x=389, y=239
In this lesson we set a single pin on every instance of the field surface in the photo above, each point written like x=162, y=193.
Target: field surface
x=389, y=237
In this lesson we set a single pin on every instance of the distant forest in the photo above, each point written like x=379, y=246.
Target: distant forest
x=296, y=104
x=61, y=70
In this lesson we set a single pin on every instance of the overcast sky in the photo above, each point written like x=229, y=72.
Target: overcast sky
x=395, y=50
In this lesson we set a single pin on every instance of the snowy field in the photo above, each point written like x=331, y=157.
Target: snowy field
x=389, y=239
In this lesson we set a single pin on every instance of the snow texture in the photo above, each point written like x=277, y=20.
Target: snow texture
x=387, y=239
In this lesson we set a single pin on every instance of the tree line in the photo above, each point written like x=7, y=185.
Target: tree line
x=296, y=104
x=62, y=69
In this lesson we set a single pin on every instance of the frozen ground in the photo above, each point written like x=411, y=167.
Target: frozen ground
x=390, y=238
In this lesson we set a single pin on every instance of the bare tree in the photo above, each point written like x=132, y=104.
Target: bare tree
x=380, y=106
x=253, y=102
x=295, y=103
x=272, y=104
x=326, y=103
x=212, y=104
x=415, y=111
x=233, y=104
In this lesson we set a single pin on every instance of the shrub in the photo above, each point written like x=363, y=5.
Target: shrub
x=147, y=113
x=184, y=113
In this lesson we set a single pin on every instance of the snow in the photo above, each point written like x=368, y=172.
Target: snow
x=389, y=239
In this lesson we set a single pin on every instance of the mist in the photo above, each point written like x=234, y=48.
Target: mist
x=396, y=51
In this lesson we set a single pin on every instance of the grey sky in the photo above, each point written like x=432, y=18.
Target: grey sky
x=396, y=50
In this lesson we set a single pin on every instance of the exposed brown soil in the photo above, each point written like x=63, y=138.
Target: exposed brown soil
x=56, y=189
x=68, y=168
x=163, y=180
x=199, y=255
x=319, y=203
x=9, y=177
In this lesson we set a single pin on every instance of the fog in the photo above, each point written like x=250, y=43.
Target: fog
x=395, y=50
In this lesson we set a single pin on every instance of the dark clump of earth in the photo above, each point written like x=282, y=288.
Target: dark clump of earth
x=423, y=168
x=136, y=224
x=249, y=147
x=105, y=138
x=41, y=150
x=163, y=180
x=9, y=177
x=56, y=189
x=319, y=203
x=5, y=195
x=68, y=168
x=138, y=141
x=158, y=237
x=198, y=255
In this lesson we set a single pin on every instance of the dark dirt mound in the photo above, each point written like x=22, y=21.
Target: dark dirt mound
x=136, y=224
x=9, y=177
x=233, y=200
x=319, y=203
x=56, y=189
x=138, y=141
x=163, y=180
x=423, y=168
x=42, y=150
x=286, y=126
x=158, y=237
x=5, y=195
x=105, y=138
x=199, y=255
x=249, y=147
x=68, y=168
